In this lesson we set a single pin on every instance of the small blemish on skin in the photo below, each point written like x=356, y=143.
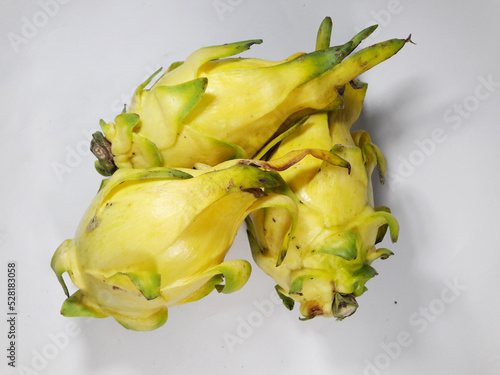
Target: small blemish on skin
x=93, y=224
x=99, y=152
x=315, y=310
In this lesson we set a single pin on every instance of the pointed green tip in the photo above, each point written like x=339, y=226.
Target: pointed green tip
x=287, y=301
x=235, y=274
x=75, y=306
x=238, y=47
x=147, y=81
x=390, y=220
x=148, y=283
x=219, y=288
x=324, y=34
x=305, y=318
x=174, y=65
x=60, y=262
x=362, y=35
x=250, y=43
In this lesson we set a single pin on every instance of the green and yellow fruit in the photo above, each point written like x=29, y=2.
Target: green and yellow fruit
x=329, y=257
x=154, y=238
x=214, y=140
x=213, y=107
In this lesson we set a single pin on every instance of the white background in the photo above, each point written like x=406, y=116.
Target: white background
x=433, y=308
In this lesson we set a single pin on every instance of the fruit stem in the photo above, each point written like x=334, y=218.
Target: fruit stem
x=344, y=305
x=101, y=148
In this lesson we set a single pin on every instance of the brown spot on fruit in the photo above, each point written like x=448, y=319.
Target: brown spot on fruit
x=93, y=224
x=257, y=193
x=313, y=310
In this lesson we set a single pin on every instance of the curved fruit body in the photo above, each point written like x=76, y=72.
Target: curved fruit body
x=329, y=257
x=212, y=107
x=331, y=250
x=157, y=237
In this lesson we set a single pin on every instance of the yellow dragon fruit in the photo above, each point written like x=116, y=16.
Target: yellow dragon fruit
x=269, y=138
x=329, y=257
x=154, y=238
x=213, y=107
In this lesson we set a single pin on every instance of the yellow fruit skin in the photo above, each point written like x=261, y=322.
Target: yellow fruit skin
x=158, y=237
x=333, y=245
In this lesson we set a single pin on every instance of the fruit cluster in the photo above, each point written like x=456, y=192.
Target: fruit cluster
x=217, y=141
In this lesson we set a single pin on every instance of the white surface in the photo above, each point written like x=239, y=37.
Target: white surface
x=82, y=62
